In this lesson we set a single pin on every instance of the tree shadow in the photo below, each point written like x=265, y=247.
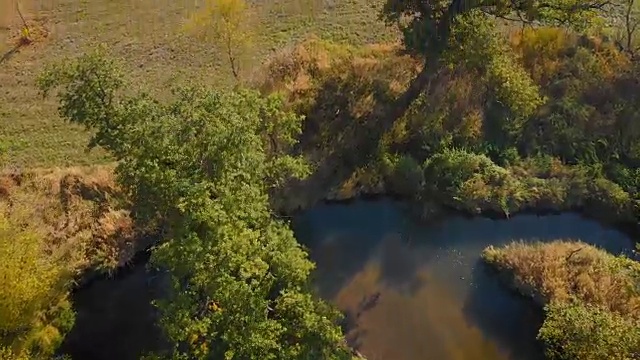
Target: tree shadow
x=340, y=134
x=400, y=265
x=9, y=54
x=362, y=234
x=115, y=318
x=354, y=335
x=507, y=318
x=340, y=261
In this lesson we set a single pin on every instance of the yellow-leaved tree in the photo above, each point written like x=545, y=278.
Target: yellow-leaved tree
x=228, y=24
x=35, y=312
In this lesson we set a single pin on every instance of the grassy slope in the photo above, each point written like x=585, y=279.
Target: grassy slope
x=147, y=35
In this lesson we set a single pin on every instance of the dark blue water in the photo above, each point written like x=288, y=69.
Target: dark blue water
x=416, y=292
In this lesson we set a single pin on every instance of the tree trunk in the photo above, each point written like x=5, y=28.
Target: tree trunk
x=400, y=106
x=429, y=71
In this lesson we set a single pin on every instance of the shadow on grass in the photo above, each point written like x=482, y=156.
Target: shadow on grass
x=9, y=54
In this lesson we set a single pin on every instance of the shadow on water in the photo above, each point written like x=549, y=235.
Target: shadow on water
x=417, y=292
x=511, y=321
x=340, y=247
x=115, y=318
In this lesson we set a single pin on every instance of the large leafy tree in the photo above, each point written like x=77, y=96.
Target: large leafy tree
x=464, y=31
x=200, y=169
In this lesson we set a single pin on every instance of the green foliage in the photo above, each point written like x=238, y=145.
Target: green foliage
x=89, y=102
x=8, y=354
x=627, y=178
x=35, y=313
x=465, y=33
x=578, y=331
x=403, y=174
x=201, y=168
x=477, y=43
x=471, y=182
x=427, y=24
x=448, y=171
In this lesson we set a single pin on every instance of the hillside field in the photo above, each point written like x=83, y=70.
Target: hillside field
x=148, y=36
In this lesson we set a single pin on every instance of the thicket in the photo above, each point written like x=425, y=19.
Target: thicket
x=573, y=152
x=57, y=228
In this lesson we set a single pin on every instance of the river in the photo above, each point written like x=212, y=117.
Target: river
x=410, y=291
x=421, y=292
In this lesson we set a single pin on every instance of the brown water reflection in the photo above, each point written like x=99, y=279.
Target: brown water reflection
x=414, y=292
x=432, y=314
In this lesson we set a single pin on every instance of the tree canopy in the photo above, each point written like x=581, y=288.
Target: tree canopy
x=458, y=30
x=200, y=168
x=227, y=24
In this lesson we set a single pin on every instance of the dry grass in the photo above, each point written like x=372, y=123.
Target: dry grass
x=148, y=36
x=76, y=210
x=307, y=64
x=564, y=270
x=340, y=89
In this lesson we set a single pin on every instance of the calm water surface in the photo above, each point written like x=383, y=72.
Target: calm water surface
x=418, y=293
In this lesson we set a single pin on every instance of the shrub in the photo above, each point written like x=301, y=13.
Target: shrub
x=587, y=332
x=471, y=182
x=8, y=354
x=404, y=175
x=590, y=297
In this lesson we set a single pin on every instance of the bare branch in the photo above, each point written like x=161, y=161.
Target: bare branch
x=24, y=22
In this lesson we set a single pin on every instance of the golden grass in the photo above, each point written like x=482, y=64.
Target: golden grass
x=76, y=210
x=564, y=270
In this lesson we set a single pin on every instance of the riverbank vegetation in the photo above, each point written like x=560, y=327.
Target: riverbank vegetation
x=467, y=112
x=591, y=297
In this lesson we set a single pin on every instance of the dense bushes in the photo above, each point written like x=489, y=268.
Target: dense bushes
x=585, y=121
x=473, y=183
x=578, y=331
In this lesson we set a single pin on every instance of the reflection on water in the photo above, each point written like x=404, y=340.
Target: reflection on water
x=413, y=292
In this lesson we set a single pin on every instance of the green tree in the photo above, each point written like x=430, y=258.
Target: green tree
x=581, y=331
x=201, y=168
x=438, y=29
